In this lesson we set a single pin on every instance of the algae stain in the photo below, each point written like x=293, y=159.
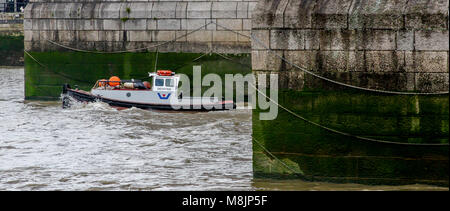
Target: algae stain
x=417, y=107
x=293, y=165
x=415, y=124
x=444, y=127
x=127, y=66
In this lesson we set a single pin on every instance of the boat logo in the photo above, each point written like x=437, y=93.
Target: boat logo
x=128, y=94
x=163, y=96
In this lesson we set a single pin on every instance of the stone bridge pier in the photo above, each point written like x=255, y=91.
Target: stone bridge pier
x=78, y=40
x=358, y=135
x=109, y=25
x=388, y=45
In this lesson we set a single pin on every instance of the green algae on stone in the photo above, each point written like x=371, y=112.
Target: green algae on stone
x=11, y=50
x=322, y=154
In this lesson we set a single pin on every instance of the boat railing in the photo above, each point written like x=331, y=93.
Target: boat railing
x=105, y=83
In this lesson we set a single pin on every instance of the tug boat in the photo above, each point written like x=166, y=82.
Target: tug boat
x=161, y=94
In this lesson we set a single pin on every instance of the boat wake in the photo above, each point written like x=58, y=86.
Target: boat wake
x=70, y=104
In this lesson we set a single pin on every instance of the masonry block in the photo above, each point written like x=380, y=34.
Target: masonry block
x=199, y=9
x=431, y=40
x=169, y=24
x=192, y=24
x=224, y=10
x=426, y=61
x=164, y=9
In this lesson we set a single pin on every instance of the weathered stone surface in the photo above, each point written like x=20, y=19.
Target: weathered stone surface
x=426, y=61
x=35, y=24
x=286, y=39
x=60, y=11
x=87, y=10
x=111, y=36
x=384, y=61
x=224, y=10
x=423, y=14
x=405, y=40
x=431, y=40
x=112, y=24
x=135, y=24
x=65, y=24
x=247, y=24
x=224, y=36
x=69, y=36
x=200, y=36
x=27, y=24
x=109, y=10
x=152, y=24
x=163, y=35
x=251, y=8
x=233, y=24
x=330, y=14
x=169, y=24
x=46, y=12
x=311, y=39
x=242, y=10
x=298, y=14
x=377, y=14
x=383, y=44
x=375, y=40
x=338, y=61
x=191, y=24
x=145, y=36
x=199, y=9
x=29, y=35
x=338, y=39
x=263, y=60
x=244, y=36
x=302, y=59
x=88, y=36
x=164, y=10
x=181, y=36
x=212, y=24
x=269, y=13
x=261, y=39
x=181, y=10
x=139, y=10
x=432, y=82
x=127, y=19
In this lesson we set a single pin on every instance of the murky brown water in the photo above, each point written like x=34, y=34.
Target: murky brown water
x=96, y=147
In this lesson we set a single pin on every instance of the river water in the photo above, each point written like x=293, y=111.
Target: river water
x=96, y=147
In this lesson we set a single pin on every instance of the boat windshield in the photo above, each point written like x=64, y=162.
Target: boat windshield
x=169, y=82
x=159, y=82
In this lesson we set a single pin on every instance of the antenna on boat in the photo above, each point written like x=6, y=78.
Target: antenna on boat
x=156, y=60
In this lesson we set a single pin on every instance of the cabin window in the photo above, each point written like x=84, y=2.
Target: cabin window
x=159, y=82
x=169, y=82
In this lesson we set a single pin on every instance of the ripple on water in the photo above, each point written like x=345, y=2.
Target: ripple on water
x=96, y=147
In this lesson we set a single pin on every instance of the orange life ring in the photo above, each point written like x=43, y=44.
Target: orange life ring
x=164, y=72
x=114, y=81
x=102, y=82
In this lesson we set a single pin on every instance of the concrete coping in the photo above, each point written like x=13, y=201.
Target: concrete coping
x=110, y=9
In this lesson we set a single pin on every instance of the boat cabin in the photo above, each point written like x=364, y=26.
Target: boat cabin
x=164, y=80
